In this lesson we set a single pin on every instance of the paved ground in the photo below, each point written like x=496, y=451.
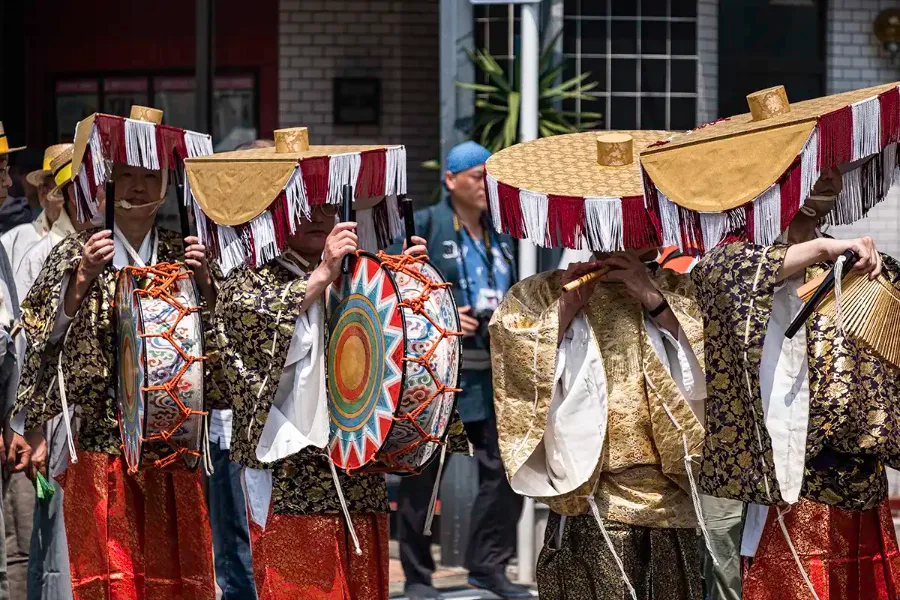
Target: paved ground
x=451, y=581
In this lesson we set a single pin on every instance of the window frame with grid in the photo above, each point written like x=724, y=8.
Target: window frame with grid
x=680, y=51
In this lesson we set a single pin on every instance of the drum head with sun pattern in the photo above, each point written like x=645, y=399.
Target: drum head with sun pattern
x=364, y=361
x=131, y=376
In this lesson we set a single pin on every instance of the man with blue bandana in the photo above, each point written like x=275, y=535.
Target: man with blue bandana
x=479, y=263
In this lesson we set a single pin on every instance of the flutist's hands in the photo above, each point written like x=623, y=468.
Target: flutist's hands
x=626, y=268
x=572, y=302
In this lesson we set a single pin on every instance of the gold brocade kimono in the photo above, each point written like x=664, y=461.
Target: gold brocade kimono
x=640, y=477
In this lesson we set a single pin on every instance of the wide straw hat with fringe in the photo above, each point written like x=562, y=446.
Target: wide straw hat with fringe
x=749, y=175
x=4, y=143
x=248, y=202
x=141, y=140
x=580, y=190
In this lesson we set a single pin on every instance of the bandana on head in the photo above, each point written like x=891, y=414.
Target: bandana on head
x=465, y=156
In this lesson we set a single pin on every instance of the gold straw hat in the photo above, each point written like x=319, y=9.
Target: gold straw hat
x=580, y=190
x=61, y=169
x=140, y=141
x=36, y=178
x=253, y=199
x=4, y=143
x=749, y=174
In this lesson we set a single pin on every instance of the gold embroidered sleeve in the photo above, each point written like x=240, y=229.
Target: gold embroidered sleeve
x=39, y=311
x=524, y=332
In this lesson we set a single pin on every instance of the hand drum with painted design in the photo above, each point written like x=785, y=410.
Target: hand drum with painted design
x=393, y=362
x=160, y=369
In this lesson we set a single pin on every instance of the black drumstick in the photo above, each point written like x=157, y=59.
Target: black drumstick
x=110, y=205
x=824, y=288
x=409, y=219
x=347, y=215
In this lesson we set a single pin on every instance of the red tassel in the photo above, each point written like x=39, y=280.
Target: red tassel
x=370, y=182
x=750, y=227
x=112, y=138
x=315, y=178
x=510, y=210
x=169, y=141
x=835, y=138
x=637, y=229
x=280, y=220
x=790, y=195
x=565, y=220
x=890, y=116
x=650, y=205
x=88, y=163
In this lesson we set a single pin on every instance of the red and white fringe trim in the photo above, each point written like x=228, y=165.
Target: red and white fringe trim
x=320, y=180
x=869, y=129
x=599, y=224
x=135, y=143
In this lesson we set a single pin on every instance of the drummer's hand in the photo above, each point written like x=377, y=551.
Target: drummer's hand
x=38, y=455
x=195, y=257
x=96, y=254
x=468, y=323
x=420, y=246
x=340, y=242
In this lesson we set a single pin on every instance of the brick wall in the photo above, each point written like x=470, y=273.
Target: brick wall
x=856, y=60
x=708, y=64
x=395, y=40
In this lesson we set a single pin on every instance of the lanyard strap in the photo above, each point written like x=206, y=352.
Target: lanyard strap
x=134, y=257
x=487, y=257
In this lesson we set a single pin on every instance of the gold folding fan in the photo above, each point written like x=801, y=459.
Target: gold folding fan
x=870, y=311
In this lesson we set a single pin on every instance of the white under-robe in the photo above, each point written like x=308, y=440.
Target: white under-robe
x=298, y=416
x=784, y=388
x=577, y=420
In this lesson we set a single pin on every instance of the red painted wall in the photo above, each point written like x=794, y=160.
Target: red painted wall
x=123, y=35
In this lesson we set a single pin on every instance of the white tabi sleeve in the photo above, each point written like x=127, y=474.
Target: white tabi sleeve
x=298, y=416
x=679, y=359
x=575, y=433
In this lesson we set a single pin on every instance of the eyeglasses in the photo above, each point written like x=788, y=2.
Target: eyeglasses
x=328, y=210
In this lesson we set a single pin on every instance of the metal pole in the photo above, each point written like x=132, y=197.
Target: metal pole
x=205, y=59
x=528, y=130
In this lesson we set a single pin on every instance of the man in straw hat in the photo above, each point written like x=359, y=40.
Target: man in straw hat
x=272, y=212
x=801, y=416
x=598, y=390
x=15, y=453
x=17, y=240
x=128, y=535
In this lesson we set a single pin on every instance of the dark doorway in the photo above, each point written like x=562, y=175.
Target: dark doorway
x=763, y=43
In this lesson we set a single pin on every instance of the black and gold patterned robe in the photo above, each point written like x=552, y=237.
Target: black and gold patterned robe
x=87, y=350
x=854, y=401
x=257, y=308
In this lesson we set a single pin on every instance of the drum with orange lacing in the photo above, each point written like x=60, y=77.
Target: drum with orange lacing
x=160, y=368
x=393, y=360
